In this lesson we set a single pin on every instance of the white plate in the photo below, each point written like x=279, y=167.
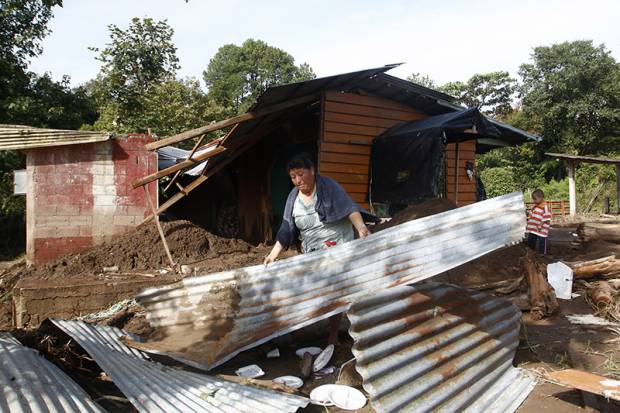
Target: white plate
x=346, y=397
x=290, y=381
x=250, y=371
x=312, y=350
x=320, y=395
x=323, y=358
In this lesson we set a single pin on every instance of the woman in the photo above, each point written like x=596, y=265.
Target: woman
x=320, y=214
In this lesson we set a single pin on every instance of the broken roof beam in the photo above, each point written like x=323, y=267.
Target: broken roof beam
x=191, y=161
x=230, y=122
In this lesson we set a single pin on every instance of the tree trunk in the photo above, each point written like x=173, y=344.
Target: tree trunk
x=542, y=295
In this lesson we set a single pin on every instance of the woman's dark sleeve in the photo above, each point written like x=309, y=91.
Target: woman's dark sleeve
x=285, y=235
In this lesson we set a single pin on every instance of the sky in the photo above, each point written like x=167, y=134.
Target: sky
x=447, y=40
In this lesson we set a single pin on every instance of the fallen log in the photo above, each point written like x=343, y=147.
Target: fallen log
x=602, y=267
x=602, y=294
x=590, y=231
x=542, y=295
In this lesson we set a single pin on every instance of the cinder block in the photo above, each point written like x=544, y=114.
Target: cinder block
x=103, y=200
x=80, y=220
x=97, y=170
x=104, y=210
x=68, y=231
x=109, y=170
x=99, y=189
x=124, y=220
x=110, y=189
x=68, y=210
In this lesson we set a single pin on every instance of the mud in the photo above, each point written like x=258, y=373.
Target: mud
x=421, y=210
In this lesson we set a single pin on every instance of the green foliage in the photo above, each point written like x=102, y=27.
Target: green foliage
x=571, y=97
x=422, y=80
x=492, y=93
x=498, y=181
x=134, y=62
x=237, y=75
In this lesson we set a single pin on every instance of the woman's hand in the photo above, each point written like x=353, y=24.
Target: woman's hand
x=273, y=255
x=363, y=231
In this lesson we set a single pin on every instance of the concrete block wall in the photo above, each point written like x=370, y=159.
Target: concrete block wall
x=81, y=195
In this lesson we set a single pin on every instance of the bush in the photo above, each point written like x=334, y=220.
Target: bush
x=498, y=181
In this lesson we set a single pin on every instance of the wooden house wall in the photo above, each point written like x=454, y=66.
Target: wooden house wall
x=350, y=123
x=466, y=189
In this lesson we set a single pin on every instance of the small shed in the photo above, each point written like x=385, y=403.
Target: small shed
x=335, y=119
x=78, y=186
x=572, y=161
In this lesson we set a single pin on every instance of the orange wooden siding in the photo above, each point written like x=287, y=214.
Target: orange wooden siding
x=466, y=188
x=350, y=123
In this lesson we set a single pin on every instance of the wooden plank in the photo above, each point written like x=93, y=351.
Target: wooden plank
x=345, y=158
x=396, y=115
x=365, y=100
x=355, y=188
x=344, y=168
x=364, y=205
x=345, y=148
x=463, y=197
x=589, y=382
x=463, y=155
x=181, y=165
x=336, y=137
x=343, y=178
x=358, y=197
x=229, y=122
x=354, y=129
x=463, y=146
x=359, y=120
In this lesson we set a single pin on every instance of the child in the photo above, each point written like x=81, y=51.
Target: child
x=538, y=223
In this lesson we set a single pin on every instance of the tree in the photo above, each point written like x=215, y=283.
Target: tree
x=23, y=24
x=135, y=61
x=571, y=97
x=169, y=108
x=237, y=75
x=492, y=93
x=422, y=80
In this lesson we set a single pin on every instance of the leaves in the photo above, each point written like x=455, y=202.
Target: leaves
x=422, y=80
x=492, y=93
x=237, y=75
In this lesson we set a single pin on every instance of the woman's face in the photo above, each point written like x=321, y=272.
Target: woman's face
x=303, y=179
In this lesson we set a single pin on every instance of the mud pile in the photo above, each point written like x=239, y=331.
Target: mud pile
x=416, y=211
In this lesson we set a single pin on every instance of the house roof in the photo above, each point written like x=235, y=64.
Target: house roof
x=585, y=159
x=27, y=137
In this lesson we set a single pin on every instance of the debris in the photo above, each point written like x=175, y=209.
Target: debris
x=273, y=353
x=270, y=301
x=589, y=382
x=306, y=365
x=542, y=295
x=590, y=319
x=589, y=231
x=290, y=381
x=602, y=267
x=314, y=351
x=513, y=285
x=320, y=395
x=560, y=276
x=602, y=294
x=252, y=371
x=417, y=211
x=110, y=269
x=346, y=397
x=187, y=270
x=325, y=371
x=323, y=358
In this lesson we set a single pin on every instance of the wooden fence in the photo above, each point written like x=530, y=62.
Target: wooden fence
x=558, y=208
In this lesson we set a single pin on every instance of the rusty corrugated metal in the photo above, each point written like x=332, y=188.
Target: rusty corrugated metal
x=30, y=383
x=438, y=347
x=206, y=320
x=152, y=387
x=27, y=137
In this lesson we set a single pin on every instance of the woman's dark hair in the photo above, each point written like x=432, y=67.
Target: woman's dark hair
x=300, y=161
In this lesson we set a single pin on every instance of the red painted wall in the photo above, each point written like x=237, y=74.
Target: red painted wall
x=81, y=195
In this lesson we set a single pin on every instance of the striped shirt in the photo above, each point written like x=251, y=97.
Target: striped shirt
x=539, y=220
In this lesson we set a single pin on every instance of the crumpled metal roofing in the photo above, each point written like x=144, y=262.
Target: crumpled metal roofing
x=152, y=387
x=438, y=347
x=30, y=383
x=206, y=320
x=27, y=137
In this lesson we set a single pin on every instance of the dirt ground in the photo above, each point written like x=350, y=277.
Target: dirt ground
x=546, y=345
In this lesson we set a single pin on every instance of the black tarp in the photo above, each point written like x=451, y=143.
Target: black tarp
x=407, y=159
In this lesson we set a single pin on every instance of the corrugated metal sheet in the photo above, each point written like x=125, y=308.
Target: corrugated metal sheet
x=438, y=347
x=30, y=383
x=27, y=137
x=170, y=155
x=206, y=320
x=152, y=387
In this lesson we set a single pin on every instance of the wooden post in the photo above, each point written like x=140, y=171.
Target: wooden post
x=158, y=224
x=618, y=188
x=456, y=174
x=572, y=196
